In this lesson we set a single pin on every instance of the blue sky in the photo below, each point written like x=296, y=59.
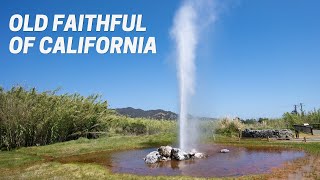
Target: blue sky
x=258, y=60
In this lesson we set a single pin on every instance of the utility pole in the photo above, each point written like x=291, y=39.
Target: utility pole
x=301, y=109
x=295, y=110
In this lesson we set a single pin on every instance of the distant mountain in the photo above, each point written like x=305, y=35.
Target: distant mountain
x=152, y=114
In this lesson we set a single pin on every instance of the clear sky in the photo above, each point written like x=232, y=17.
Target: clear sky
x=258, y=60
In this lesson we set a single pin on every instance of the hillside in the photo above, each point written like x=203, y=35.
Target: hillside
x=152, y=114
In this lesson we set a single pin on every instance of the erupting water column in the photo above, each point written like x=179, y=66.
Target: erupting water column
x=185, y=33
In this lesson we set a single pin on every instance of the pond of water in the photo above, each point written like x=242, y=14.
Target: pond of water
x=239, y=161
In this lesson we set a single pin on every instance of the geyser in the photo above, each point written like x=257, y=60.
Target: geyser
x=188, y=23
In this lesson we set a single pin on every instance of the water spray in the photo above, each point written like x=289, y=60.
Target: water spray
x=185, y=32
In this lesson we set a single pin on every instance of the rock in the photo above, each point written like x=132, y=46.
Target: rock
x=195, y=154
x=224, y=150
x=271, y=133
x=165, y=158
x=165, y=151
x=199, y=155
x=178, y=154
x=152, y=157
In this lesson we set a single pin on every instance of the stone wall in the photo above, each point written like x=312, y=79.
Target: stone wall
x=271, y=133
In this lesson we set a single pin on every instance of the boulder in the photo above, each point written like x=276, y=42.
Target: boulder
x=165, y=151
x=195, y=154
x=199, y=155
x=224, y=150
x=152, y=157
x=178, y=154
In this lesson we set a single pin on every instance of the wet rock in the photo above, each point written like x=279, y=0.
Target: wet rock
x=271, y=133
x=199, y=155
x=195, y=154
x=165, y=158
x=178, y=154
x=224, y=150
x=152, y=157
x=165, y=151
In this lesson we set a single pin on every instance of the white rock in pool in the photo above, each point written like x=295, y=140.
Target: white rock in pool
x=199, y=155
x=195, y=154
x=152, y=157
x=165, y=151
x=178, y=154
x=224, y=150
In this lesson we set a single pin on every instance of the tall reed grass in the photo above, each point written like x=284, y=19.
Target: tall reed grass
x=29, y=118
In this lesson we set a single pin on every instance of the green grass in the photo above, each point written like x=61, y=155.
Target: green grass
x=14, y=159
x=83, y=145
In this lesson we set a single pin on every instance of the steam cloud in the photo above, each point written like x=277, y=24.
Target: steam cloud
x=190, y=19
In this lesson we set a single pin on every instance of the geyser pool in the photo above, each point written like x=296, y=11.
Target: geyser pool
x=239, y=161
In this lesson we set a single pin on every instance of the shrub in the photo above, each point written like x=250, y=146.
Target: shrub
x=135, y=128
x=291, y=119
x=229, y=127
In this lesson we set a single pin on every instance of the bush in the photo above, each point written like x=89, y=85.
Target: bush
x=229, y=127
x=291, y=119
x=135, y=128
x=313, y=117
